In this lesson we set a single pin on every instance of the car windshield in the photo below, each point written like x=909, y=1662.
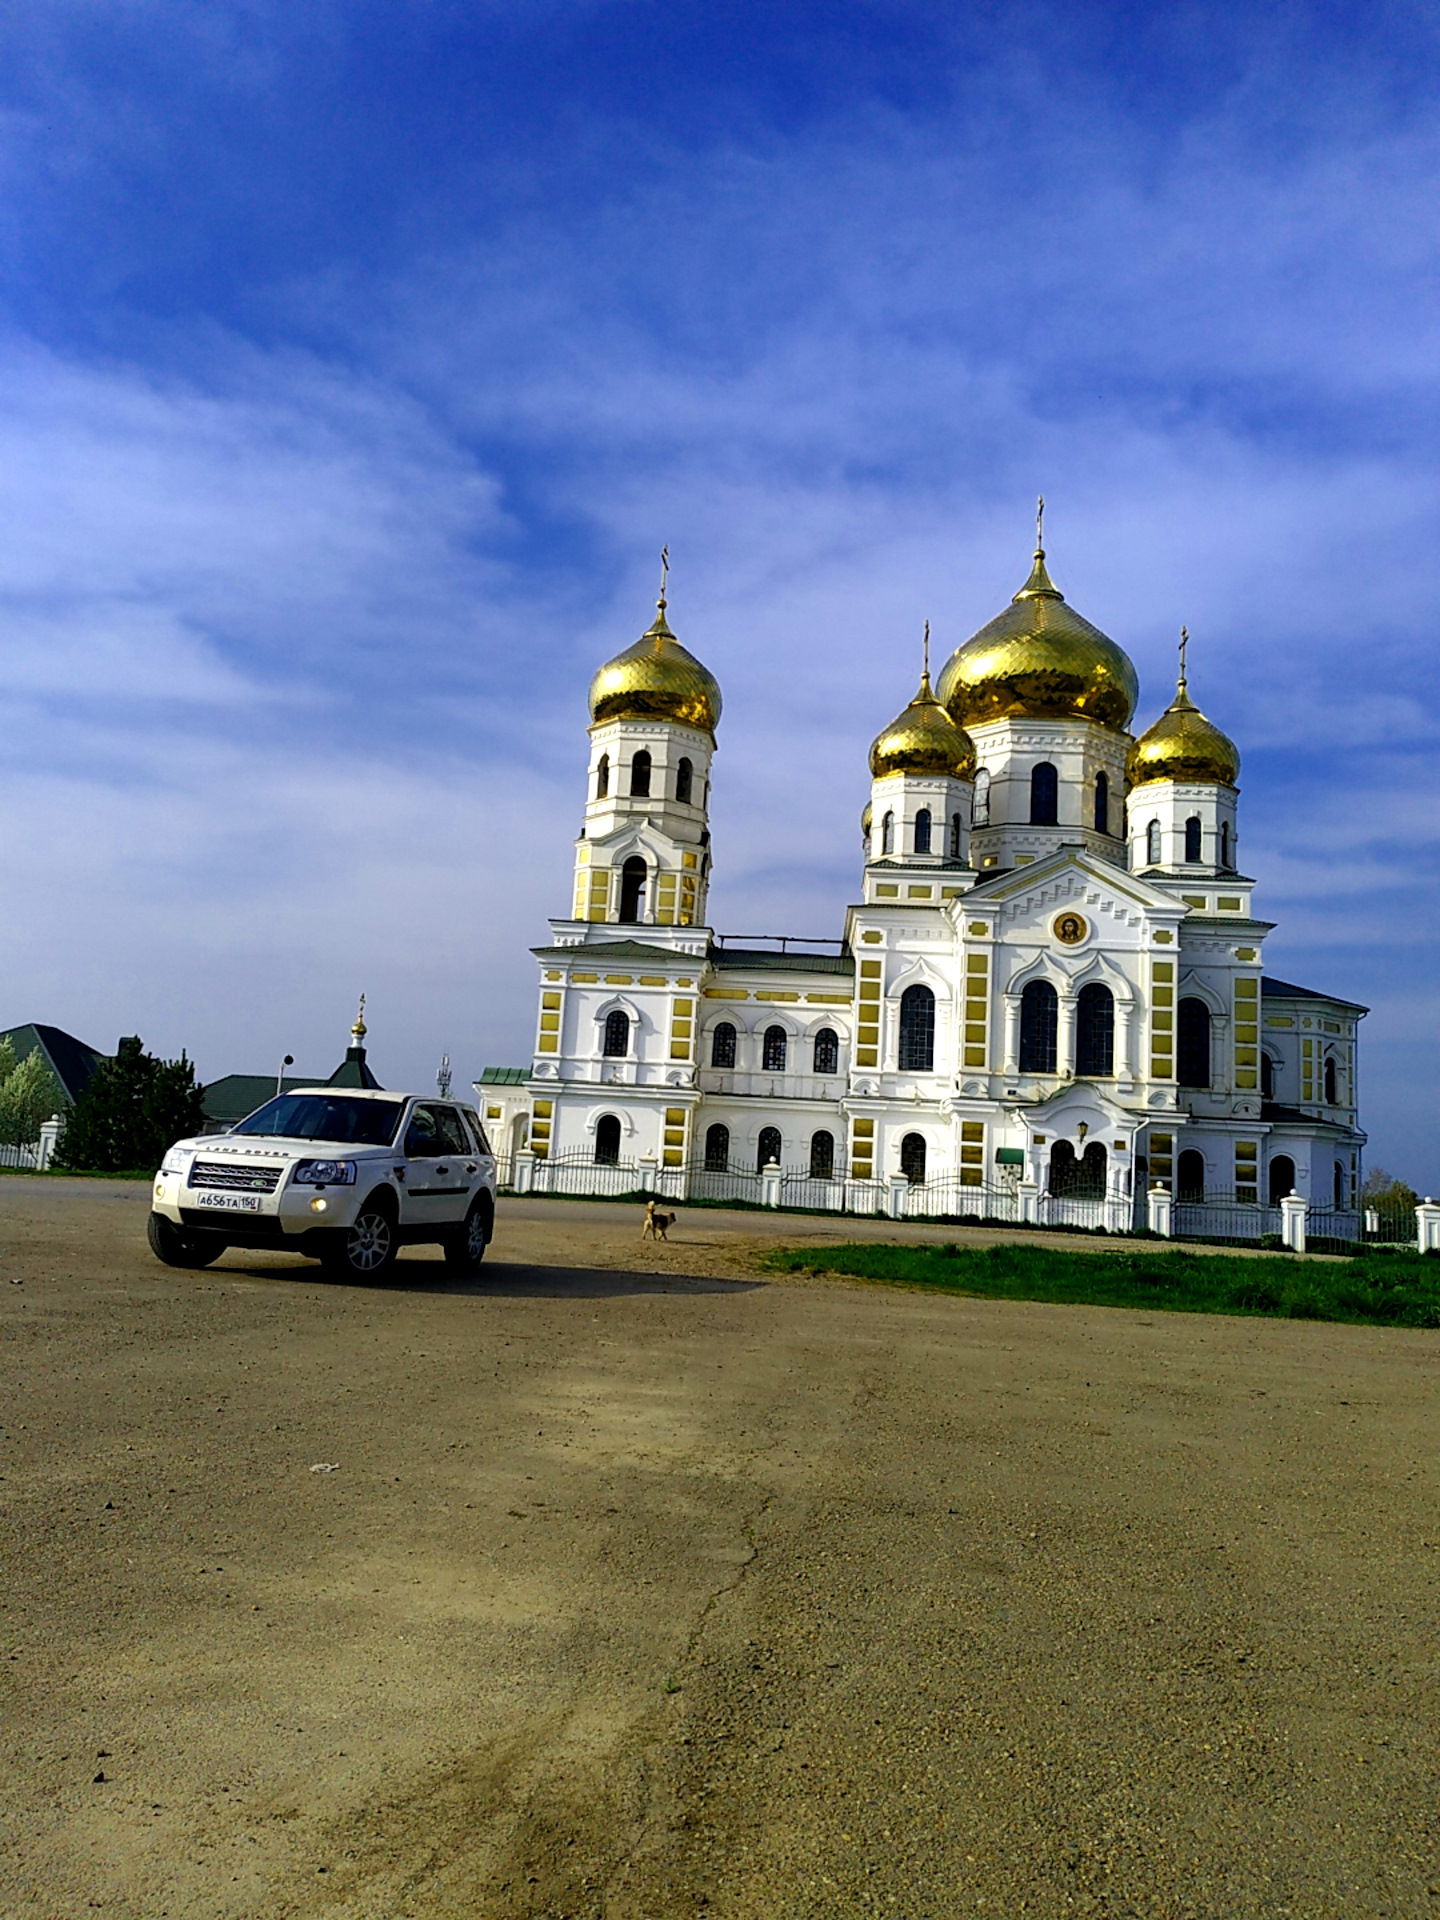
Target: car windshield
x=327, y=1116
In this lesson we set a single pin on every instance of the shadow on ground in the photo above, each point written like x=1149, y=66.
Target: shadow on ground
x=499, y=1278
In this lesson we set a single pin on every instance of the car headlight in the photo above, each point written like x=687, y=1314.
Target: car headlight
x=325, y=1173
x=175, y=1161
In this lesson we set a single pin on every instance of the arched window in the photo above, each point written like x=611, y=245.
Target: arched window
x=887, y=834
x=617, y=1035
x=722, y=1045
x=640, y=775
x=1192, y=1044
x=632, y=890
x=917, y=1030
x=1192, y=839
x=827, y=1051
x=1267, y=1077
x=768, y=1152
x=955, y=832
x=1282, y=1177
x=1339, y=1186
x=684, y=782
x=1039, y=1026
x=1102, y=803
x=822, y=1156
x=922, y=830
x=772, y=1057
x=1044, y=795
x=607, y=1139
x=1225, y=859
x=1190, y=1175
x=717, y=1148
x=1152, y=843
x=602, y=777
x=1330, y=1077
x=981, y=814
x=912, y=1158
x=1095, y=1031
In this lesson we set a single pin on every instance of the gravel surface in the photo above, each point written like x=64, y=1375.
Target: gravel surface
x=620, y=1582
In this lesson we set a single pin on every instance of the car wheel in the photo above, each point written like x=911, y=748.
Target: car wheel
x=366, y=1248
x=466, y=1249
x=178, y=1249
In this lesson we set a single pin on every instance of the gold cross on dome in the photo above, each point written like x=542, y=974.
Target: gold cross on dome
x=664, y=573
x=1040, y=524
x=1184, y=643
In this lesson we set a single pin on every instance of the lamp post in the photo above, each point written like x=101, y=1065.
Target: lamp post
x=288, y=1061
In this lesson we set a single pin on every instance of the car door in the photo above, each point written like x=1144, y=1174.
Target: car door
x=440, y=1168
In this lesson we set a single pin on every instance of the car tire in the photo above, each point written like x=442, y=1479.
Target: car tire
x=465, y=1248
x=177, y=1248
x=366, y=1248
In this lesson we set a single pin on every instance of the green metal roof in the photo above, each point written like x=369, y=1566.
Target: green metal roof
x=503, y=1076
x=754, y=959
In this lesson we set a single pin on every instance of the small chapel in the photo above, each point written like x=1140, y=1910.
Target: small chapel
x=1052, y=983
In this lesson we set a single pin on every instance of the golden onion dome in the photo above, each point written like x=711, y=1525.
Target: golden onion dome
x=1183, y=745
x=1040, y=660
x=924, y=739
x=656, y=679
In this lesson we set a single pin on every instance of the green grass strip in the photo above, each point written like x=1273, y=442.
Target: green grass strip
x=1376, y=1288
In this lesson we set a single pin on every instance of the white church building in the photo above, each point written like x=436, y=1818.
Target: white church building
x=1048, y=998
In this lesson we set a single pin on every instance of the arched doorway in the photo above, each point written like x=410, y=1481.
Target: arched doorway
x=912, y=1158
x=1190, y=1175
x=607, y=1141
x=1282, y=1178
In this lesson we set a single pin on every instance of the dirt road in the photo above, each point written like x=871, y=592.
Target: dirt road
x=617, y=1583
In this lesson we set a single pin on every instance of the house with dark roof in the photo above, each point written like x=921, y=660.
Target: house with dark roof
x=71, y=1062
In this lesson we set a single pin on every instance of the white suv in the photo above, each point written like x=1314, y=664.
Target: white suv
x=346, y=1176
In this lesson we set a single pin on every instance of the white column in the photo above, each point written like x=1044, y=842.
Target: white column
x=50, y=1132
x=1065, y=1038
x=1292, y=1221
x=1125, y=1041
x=1012, y=1035
x=1427, y=1226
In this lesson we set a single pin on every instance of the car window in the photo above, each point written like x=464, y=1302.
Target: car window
x=422, y=1137
x=452, y=1131
x=473, y=1121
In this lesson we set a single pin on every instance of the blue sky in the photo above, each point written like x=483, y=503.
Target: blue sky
x=356, y=360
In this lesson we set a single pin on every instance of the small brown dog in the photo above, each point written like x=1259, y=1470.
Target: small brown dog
x=657, y=1224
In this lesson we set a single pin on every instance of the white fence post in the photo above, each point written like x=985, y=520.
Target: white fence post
x=49, y=1139
x=1029, y=1203
x=1160, y=1212
x=1292, y=1221
x=899, y=1196
x=771, y=1179
x=524, y=1171
x=649, y=1170
x=1427, y=1226
x=1372, y=1222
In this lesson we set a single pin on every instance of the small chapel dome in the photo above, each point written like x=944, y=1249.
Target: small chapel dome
x=1039, y=659
x=656, y=679
x=924, y=739
x=1183, y=745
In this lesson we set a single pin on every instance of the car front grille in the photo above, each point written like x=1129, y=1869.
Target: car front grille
x=220, y=1173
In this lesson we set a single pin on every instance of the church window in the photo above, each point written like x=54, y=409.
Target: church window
x=1282, y=1178
x=1095, y=1031
x=1102, y=803
x=1039, y=1027
x=1267, y=1077
x=640, y=775
x=607, y=1139
x=773, y=1050
x=1192, y=1035
x=722, y=1045
x=632, y=890
x=982, y=798
x=1152, y=843
x=1226, y=859
x=1190, y=1175
x=912, y=1158
x=1192, y=839
x=684, y=782
x=617, y=1035
x=827, y=1051
x=602, y=777
x=822, y=1155
x=717, y=1148
x=955, y=830
x=1044, y=795
x=768, y=1152
x=917, y=1030
x=1330, y=1085
x=922, y=830
x=887, y=834
x=1339, y=1186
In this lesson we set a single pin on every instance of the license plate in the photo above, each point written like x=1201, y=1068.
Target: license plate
x=229, y=1202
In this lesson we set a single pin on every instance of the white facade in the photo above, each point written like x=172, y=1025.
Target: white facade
x=1026, y=997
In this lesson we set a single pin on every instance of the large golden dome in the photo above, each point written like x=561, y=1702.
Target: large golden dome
x=656, y=679
x=1183, y=745
x=1040, y=660
x=924, y=739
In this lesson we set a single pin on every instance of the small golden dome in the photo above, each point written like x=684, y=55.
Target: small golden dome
x=656, y=679
x=1183, y=745
x=1041, y=660
x=924, y=739
x=865, y=819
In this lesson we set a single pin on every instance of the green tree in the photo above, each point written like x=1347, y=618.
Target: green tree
x=133, y=1110
x=29, y=1094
